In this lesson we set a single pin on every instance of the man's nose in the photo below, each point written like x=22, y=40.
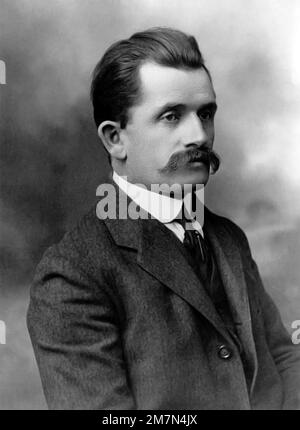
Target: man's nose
x=195, y=132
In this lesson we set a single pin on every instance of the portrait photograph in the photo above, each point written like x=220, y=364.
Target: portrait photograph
x=149, y=205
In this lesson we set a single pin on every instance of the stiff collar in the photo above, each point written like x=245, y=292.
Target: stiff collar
x=165, y=209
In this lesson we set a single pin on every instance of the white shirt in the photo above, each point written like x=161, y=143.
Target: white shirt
x=165, y=209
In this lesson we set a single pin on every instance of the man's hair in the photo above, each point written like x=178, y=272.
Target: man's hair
x=115, y=84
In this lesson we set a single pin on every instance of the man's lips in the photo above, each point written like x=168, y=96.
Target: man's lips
x=201, y=159
x=196, y=164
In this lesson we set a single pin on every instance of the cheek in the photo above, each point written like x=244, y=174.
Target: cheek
x=210, y=131
x=141, y=154
x=135, y=145
x=151, y=145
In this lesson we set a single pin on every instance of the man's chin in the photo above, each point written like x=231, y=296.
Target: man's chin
x=192, y=177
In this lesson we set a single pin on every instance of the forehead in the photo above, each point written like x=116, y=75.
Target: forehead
x=160, y=85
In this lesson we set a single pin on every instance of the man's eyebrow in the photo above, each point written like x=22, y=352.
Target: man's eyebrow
x=169, y=106
x=210, y=105
x=180, y=106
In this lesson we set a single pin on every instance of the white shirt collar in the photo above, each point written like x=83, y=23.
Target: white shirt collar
x=159, y=206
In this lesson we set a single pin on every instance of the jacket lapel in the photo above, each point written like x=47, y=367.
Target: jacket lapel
x=229, y=262
x=160, y=254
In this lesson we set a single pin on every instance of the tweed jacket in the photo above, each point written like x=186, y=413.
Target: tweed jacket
x=119, y=320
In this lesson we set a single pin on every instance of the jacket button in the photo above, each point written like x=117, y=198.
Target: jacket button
x=224, y=352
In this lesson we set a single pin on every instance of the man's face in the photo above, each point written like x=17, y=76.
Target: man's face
x=175, y=115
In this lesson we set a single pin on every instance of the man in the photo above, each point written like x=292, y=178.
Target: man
x=160, y=311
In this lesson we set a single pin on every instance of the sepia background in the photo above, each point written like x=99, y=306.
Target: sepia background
x=52, y=161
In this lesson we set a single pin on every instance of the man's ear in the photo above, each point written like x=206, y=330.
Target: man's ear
x=109, y=133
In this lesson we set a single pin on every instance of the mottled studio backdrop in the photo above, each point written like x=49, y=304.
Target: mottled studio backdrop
x=52, y=161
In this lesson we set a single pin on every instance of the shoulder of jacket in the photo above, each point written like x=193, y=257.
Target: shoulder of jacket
x=80, y=244
x=232, y=228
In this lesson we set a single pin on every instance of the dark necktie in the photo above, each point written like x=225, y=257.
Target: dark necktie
x=201, y=259
x=198, y=250
x=195, y=244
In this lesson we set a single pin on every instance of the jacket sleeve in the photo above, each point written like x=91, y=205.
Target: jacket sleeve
x=286, y=355
x=76, y=336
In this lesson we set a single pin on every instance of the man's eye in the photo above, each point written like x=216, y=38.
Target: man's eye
x=206, y=115
x=171, y=117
